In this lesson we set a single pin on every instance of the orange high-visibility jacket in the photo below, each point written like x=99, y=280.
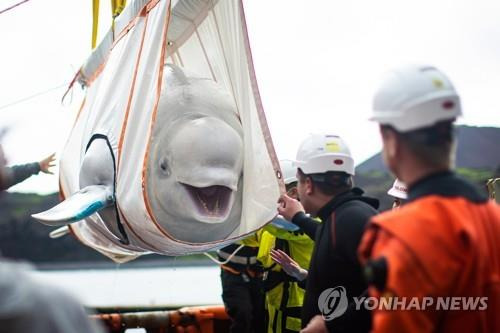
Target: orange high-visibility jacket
x=444, y=242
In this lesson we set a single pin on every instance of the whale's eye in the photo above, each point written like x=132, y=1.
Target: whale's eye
x=164, y=167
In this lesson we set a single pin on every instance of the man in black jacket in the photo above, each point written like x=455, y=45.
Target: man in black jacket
x=325, y=170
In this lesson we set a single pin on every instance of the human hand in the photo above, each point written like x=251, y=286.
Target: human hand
x=289, y=265
x=288, y=207
x=316, y=325
x=47, y=163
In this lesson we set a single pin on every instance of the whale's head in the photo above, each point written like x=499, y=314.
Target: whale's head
x=195, y=166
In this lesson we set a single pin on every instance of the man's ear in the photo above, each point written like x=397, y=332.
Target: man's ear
x=309, y=186
x=293, y=193
x=391, y=145
x=392, y=150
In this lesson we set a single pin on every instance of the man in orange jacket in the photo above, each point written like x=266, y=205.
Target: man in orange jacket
x=445, y=242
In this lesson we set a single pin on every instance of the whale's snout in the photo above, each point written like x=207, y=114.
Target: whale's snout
x=208, y=164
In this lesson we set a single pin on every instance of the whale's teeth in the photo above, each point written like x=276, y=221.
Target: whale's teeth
x=213, y=212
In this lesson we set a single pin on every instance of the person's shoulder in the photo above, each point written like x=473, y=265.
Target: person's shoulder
x=356, y=209
x=352, y=217
x=417, y=210
x=434, y=219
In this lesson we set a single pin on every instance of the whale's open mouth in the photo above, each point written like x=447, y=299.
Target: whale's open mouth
x=213, y=202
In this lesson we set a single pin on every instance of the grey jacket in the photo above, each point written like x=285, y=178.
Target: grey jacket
x=17, y=173
x=27, y=305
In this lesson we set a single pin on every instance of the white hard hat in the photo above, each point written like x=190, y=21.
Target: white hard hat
x=414, y=97
x=320, y=153
x=398, y=190
x=289, y=172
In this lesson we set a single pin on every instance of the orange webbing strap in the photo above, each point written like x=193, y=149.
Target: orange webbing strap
x=75, y=78
x=251, y=273
x=230, y=270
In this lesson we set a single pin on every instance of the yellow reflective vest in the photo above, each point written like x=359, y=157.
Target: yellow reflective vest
x=284, y=296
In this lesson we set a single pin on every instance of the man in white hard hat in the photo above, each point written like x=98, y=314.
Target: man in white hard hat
x=399, y=192
x=325, y=187
x=445, y=241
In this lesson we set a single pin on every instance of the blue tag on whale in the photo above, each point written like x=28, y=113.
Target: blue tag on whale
x=284, y=224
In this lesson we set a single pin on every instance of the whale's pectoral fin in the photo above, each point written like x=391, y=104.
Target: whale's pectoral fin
x=80, y=205
x=59, y=232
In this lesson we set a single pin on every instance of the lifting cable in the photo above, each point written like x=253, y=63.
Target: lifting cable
x=24, y=99
x=13, y=6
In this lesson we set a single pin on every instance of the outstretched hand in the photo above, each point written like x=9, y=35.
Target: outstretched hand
x=290, y=266
x=288, y=207
x=47, y=163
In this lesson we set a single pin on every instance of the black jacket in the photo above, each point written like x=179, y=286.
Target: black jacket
x=334, y=261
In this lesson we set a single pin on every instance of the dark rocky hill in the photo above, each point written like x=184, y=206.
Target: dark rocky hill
x=478, y=148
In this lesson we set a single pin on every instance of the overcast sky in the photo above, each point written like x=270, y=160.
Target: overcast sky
x=317, y=65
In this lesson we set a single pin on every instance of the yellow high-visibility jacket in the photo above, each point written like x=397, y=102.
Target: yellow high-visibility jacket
x=284, y=296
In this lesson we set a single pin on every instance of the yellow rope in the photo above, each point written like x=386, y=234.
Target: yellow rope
x=117, y=7
x=95, y=21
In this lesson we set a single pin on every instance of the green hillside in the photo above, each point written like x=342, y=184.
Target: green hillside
x=377, y=183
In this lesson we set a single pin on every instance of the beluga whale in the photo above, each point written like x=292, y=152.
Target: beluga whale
x=170, y=151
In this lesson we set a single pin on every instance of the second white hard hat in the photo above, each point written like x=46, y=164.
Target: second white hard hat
x=414, y=97
x=398, y=190
x=320, y=153
x=289, y=171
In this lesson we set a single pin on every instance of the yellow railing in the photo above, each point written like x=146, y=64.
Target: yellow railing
x=492, y=187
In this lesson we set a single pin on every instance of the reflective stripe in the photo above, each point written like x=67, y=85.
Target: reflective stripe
x=238, y=259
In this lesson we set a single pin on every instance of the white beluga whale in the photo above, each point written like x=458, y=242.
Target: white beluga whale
x=170, y=151
x=195, y=166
